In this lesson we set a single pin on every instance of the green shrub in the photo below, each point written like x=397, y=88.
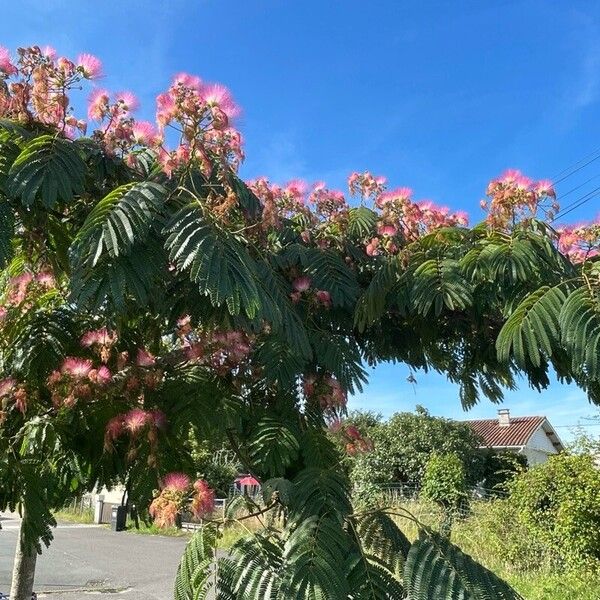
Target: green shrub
x=559, y=503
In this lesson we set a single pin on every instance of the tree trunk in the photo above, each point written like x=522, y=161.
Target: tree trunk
x=23, y=570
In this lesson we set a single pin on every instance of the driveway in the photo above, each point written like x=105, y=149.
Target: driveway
x=89, y=560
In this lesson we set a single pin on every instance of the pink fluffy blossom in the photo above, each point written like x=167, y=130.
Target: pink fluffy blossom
x=103, y=375
x=203, y=502
x=324, y=297
x=144, y=358
x=76, y=367
x=128, y=100
x=6, y=67
x=301, y=284
x=6, y=386
x=178, y=482
x=89, y=65
x=188, y=81
x=218, y=95
x=135, y=420
x=144, y=133
x=98, y=104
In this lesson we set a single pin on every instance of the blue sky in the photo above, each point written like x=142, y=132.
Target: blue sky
x=437, y=95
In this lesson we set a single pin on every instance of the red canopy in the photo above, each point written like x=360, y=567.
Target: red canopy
x=247, y=481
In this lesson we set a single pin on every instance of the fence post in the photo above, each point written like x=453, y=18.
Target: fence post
x=98, y=508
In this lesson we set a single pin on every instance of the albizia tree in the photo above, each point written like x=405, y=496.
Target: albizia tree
x=147, y=291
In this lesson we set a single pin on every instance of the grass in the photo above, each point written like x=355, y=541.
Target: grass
x=74, y=515
x=154, y=530
x=475, y=536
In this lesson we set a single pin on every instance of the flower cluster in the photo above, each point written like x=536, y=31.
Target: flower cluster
x=222, y=351
x=35, y=86
x=178, y=494
x=133, y=425
x=76, y=380
x=355, y=442
x=203, y=114
x=513, y=197
x=403, y=220
x=12, y=395
x=366, y=185
x=21, y=287
x=326, y=391
x=302, y=286
x=580, y=242
x=117, y=129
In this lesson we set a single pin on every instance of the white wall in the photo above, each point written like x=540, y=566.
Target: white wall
x=539, y=448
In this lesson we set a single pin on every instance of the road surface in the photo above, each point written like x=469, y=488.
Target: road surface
x=86, y=561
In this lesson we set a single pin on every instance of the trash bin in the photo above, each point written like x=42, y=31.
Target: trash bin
x=118, y=518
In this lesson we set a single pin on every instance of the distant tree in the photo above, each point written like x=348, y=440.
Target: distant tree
x=499, y=468
x=445, y=483
x=403, y=445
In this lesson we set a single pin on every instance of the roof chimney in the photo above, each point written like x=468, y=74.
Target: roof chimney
x=503, y=417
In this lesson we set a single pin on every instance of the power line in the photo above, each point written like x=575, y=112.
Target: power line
x=578, y=425
x=576, y=203
x=577, y=166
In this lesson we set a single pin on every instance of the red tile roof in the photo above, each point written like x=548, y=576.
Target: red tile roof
x=517, y=433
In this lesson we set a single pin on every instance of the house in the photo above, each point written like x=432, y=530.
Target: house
x=533, y=437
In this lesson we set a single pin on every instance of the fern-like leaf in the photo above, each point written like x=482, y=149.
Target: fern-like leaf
x=436, y=568
x=216, y=260
x=48, y=169
x=533, y=328
x=120, y=220
x=195, y=568
x=7, y=232
x=439, y=283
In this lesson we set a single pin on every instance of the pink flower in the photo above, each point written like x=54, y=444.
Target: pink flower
x=135, y=420
x=98, y=104
x=188, y=81
x=45, y=279
x=48, y=52
x=301, y=284
x=144, y=358
x=6, y=386
x=544, y=187
x=114, y=428
x=159, y=419
x=3, y=313
x=6, y=66
x=203, y=502
x=89, y=65
x=144, y=133
x=387, y=230
x=128, y=101
x=324, y=297
x=353, y=433
x=103, y=375
x=215, y=94
x=178, y=482
x=77, y=367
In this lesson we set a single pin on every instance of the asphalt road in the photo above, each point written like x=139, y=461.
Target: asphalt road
x=88, y=560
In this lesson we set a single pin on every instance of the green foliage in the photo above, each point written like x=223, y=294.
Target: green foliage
x=7, y=231
x=404, y=444
x=439, y=283
x=444, y=480
x=193, y=578
x=273, y=447
x=48, y=169
x=217, y=262
x=435, y=568
x=559, y=504
x=533, y=326
x=499, y=468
